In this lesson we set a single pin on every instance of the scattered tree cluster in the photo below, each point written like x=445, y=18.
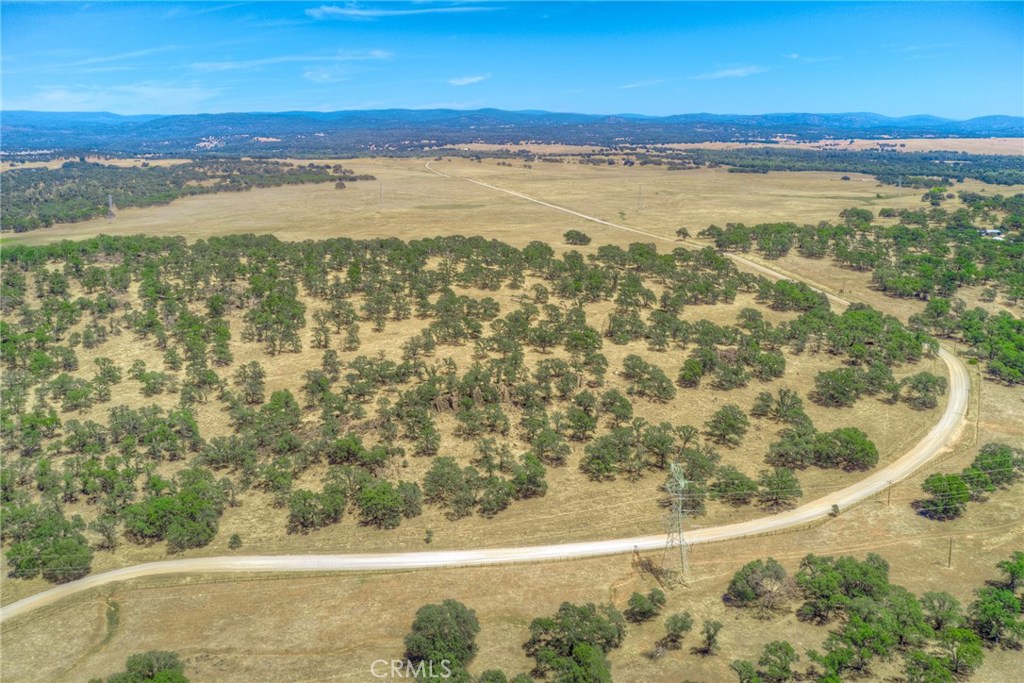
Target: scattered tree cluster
x=78, y=190
x=997, y=339
x=995, y=467
x=936, y=637
x=536, y=385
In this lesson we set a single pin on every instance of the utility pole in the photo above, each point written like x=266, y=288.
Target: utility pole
x=949, y=558
x=676, y=489
x=977, y=416
x=639, y=198
x=380, y=200
x=888, y=497
x=110, y=207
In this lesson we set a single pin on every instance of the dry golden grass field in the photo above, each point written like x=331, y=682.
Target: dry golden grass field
x=407, y=201
x=1008, y=146
x=330, y=628
x=125, y=162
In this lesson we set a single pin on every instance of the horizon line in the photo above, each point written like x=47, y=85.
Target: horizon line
x=510, y=111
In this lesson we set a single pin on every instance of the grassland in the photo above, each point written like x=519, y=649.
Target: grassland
x=122, y=162
x=1007, y=146
x=410, y=202
x=330, y=628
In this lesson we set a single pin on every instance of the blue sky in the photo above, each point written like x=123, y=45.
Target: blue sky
x=957, y=60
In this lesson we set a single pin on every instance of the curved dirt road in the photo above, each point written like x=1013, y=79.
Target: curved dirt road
x=943, y=433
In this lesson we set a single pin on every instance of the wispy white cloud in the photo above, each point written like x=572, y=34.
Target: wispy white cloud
x=196, y=11
x=809, y=60
x=149, y=97
x=327, y=74
x=646, y=83
x=927, y=47
x=74, y=61
x=468, y=80
x=739, y=72
x=124, y=56
x=244, y=64
x=351, y=11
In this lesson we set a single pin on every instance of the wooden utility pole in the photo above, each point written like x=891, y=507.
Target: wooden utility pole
x=977, y=416
x=949, y=557
x=888, y=497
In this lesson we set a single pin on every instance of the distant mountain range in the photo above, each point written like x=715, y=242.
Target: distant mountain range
x=405, y=130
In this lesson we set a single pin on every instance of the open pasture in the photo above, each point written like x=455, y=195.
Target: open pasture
x=408, y=202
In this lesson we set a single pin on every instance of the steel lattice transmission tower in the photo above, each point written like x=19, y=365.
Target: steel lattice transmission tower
x=676, y=487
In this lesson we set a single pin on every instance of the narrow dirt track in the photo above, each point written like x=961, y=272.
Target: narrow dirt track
x=938, y=438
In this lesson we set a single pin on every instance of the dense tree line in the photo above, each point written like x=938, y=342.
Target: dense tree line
x=78, y=190
x=910, y=169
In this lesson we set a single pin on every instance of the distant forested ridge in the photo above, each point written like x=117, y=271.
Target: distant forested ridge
x=77, y=191
x=398, y=130
x=909, y=169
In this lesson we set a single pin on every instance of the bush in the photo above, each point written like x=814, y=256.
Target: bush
x=690, y=374
x=761, y=583
x=186, y=519
x=443, y=632
x=779, y=488
x=728, y=425
x=576, y=237
x=155, y=666
x=949, y=496
x=848, y=447
x=381, y=505
x=647, y=380
x=923, y=389
x=676, y=626
x=733, y=487
x=838, y=388
x=575, y=633
x=645, y=607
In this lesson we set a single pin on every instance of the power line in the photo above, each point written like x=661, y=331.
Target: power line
x=676, y=487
